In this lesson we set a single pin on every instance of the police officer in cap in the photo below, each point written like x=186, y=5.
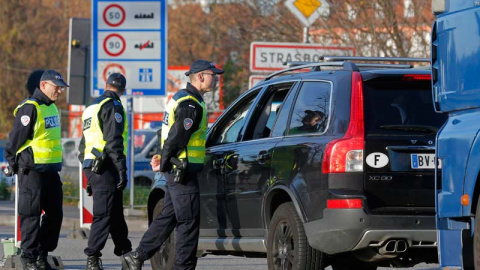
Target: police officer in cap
x=184, y=132
x=103, y=150
x=34, y=152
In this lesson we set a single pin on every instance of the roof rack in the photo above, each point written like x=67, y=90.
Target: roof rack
x=294, y=64
x=337, y=61
x=328, y=58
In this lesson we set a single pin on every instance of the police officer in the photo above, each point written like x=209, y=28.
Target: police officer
x=183, y=139
x=103, y=151
x=34, y=152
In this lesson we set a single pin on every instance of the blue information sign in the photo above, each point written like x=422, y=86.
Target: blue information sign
x=130, y=37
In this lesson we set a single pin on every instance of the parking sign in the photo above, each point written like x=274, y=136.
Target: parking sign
x=130, y=37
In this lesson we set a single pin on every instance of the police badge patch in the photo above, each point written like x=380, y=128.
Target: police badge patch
x=25, y=119
x=187, y=123
x=118, y=117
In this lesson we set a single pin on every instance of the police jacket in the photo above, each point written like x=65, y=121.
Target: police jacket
x=112, y=130
x=179, y=134
x=23, y=131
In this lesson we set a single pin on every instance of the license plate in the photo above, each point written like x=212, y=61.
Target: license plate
x=424, y=161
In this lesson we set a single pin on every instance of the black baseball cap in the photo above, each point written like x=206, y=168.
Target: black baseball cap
x=118, y=80
x=54, y=76
x=201, y=65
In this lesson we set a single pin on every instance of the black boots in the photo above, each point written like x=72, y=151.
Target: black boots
x=29, y=264
x=42, y=263
x=94, y=263
x=133, y=261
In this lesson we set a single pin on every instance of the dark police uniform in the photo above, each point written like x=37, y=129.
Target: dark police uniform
x=34, y=151
x=107, y=199
x=181, y=208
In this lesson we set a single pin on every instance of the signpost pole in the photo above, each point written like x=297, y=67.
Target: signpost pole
x=305, y=34
x=130, y=150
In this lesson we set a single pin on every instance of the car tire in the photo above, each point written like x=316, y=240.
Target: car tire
x=287, y=245
x=164, y=258
x=348, y=261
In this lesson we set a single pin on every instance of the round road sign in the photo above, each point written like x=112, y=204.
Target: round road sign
x=114, y=15
x=114, y=44
x=113, y=68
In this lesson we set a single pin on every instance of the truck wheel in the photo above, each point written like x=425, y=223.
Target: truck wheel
x=164, y=258
x=287, y=246
x=476, y=241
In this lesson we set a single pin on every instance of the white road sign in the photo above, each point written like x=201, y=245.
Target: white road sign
x=129, y=15
x=130, y=37
x=270, y=56
x=129, y=45
x=254, y=80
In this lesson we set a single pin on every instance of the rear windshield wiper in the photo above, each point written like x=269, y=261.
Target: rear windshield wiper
x=424, y=129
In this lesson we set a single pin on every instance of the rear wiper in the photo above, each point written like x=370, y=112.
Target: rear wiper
x=425, y=129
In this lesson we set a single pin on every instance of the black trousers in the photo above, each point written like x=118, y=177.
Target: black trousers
x=107, y=213
x=181, y=211
x=39, y=191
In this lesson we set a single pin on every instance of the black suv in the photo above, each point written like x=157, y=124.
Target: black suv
x=332, y=165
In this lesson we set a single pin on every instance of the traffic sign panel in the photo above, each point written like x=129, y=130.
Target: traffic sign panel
x=129, y=45
x=142, y=77
x=129, y=15
x=270, y=56
x=130, y=37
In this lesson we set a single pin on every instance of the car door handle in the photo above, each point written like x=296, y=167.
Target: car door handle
x=264, y=156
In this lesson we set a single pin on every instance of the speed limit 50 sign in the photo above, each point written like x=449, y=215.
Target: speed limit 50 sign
x=130, y=37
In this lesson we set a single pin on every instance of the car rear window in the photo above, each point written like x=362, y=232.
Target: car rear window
x=400, y=107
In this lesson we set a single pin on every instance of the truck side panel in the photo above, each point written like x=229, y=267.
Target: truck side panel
x=455, y=53
x=454, y=162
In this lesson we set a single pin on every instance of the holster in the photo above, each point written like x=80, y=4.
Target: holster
x=179, y=169
x=98, y=161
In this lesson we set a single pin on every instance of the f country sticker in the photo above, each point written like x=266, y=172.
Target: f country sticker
x=377, y=160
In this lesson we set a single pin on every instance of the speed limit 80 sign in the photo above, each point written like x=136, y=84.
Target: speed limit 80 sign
x=130, y=37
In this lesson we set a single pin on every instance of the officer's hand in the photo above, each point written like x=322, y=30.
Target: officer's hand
x=123, y=180
x=155, y=162
x=89, y=189
x=9, y=171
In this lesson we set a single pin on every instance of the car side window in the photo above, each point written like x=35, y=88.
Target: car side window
x=263, y=118
x=312, y=108
x=230, y=130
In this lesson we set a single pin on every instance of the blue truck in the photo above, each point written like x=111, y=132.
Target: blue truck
x=456, y=92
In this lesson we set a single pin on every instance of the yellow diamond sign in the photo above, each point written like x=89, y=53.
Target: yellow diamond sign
x=307, y=7
x=308, y=11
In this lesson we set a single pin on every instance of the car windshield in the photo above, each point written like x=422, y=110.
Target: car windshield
x=141, y=139
x=400, y=108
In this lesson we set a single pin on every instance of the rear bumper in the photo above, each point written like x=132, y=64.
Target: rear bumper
x=342, y=230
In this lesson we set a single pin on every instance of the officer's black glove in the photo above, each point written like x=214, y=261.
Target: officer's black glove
x=10, y=171
x=123, y=180
x=89, y=189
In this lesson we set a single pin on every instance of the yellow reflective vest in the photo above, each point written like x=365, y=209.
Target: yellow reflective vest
x=93, y=132
x=195, y=152
x=46, y=143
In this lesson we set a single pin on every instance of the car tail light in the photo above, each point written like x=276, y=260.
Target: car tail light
x=344, y=203
x=346, y=154
x=417, y=77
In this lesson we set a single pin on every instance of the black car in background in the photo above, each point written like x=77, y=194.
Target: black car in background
x=332, y=165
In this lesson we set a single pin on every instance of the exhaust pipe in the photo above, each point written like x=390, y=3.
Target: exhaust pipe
x=389, y=248
x=401, y=246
